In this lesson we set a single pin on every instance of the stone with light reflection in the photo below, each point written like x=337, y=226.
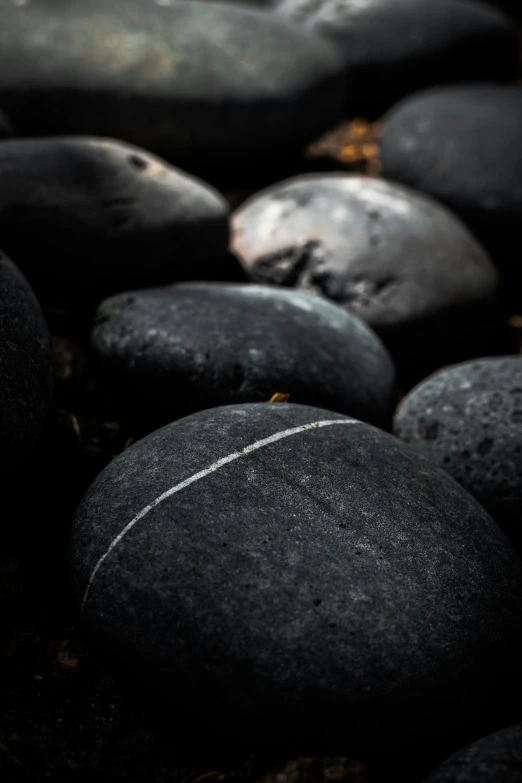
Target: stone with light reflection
x=461, y=145
x=205, y=85
x=302, y=575
x=197, y=345
x=391, y=48
x=85, y=217
x=395, y=258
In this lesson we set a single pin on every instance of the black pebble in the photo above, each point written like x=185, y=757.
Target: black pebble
x=87, y=216
x=496, y=758
x=462, y=146
x=512, y=7
x=196, y=346
x=468, y=420
x=327, y=583
x=396, y=259
x=6, y=128
x=391, y=48
x=206, y=85
x=25, y=369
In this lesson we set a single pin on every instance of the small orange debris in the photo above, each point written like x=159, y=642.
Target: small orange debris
x=61, y=657
x=349, y=154
x=279, y=397
x=354, y=144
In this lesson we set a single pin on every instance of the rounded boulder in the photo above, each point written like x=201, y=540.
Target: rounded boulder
x=199, y=345
x=301, y=574
x=395, y=258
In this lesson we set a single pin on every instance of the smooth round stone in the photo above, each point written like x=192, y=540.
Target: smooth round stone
x=496, y=758
x=200, y=83
x=301, y=578
x=6, y=129
x=391, y=48
x=25, y=368
x=196, y=346
x=462, y=146
x=87, y=216
x=468, y=420
x=396, y=259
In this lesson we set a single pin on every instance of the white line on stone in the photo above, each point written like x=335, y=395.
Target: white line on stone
x=259, y=444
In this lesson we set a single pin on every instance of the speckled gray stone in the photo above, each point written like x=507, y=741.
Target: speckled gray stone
x=89, y=216
x=396, y=259
x=25, y=368
x=468, y=420
x=392, y=48
x=496, y=758
x=461, y=145
x=202, y=84
x=301, y=580
x=195, y=346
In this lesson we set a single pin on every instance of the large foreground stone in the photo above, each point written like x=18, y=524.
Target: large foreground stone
x=301, y=575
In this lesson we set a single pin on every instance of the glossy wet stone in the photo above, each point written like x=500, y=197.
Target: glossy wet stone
x=396, y=259
x=87, y=216
x=303, y=579
x=203, y=84
x=468, y=420
x=462, y=146
x=195, y=346
x=496, y=758
x=25, y=369
x=392, y=48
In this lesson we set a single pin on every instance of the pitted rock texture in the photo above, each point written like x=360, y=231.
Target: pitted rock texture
x=303, y=579
x=194, y=346
x=496, y=758
x=468, y=420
